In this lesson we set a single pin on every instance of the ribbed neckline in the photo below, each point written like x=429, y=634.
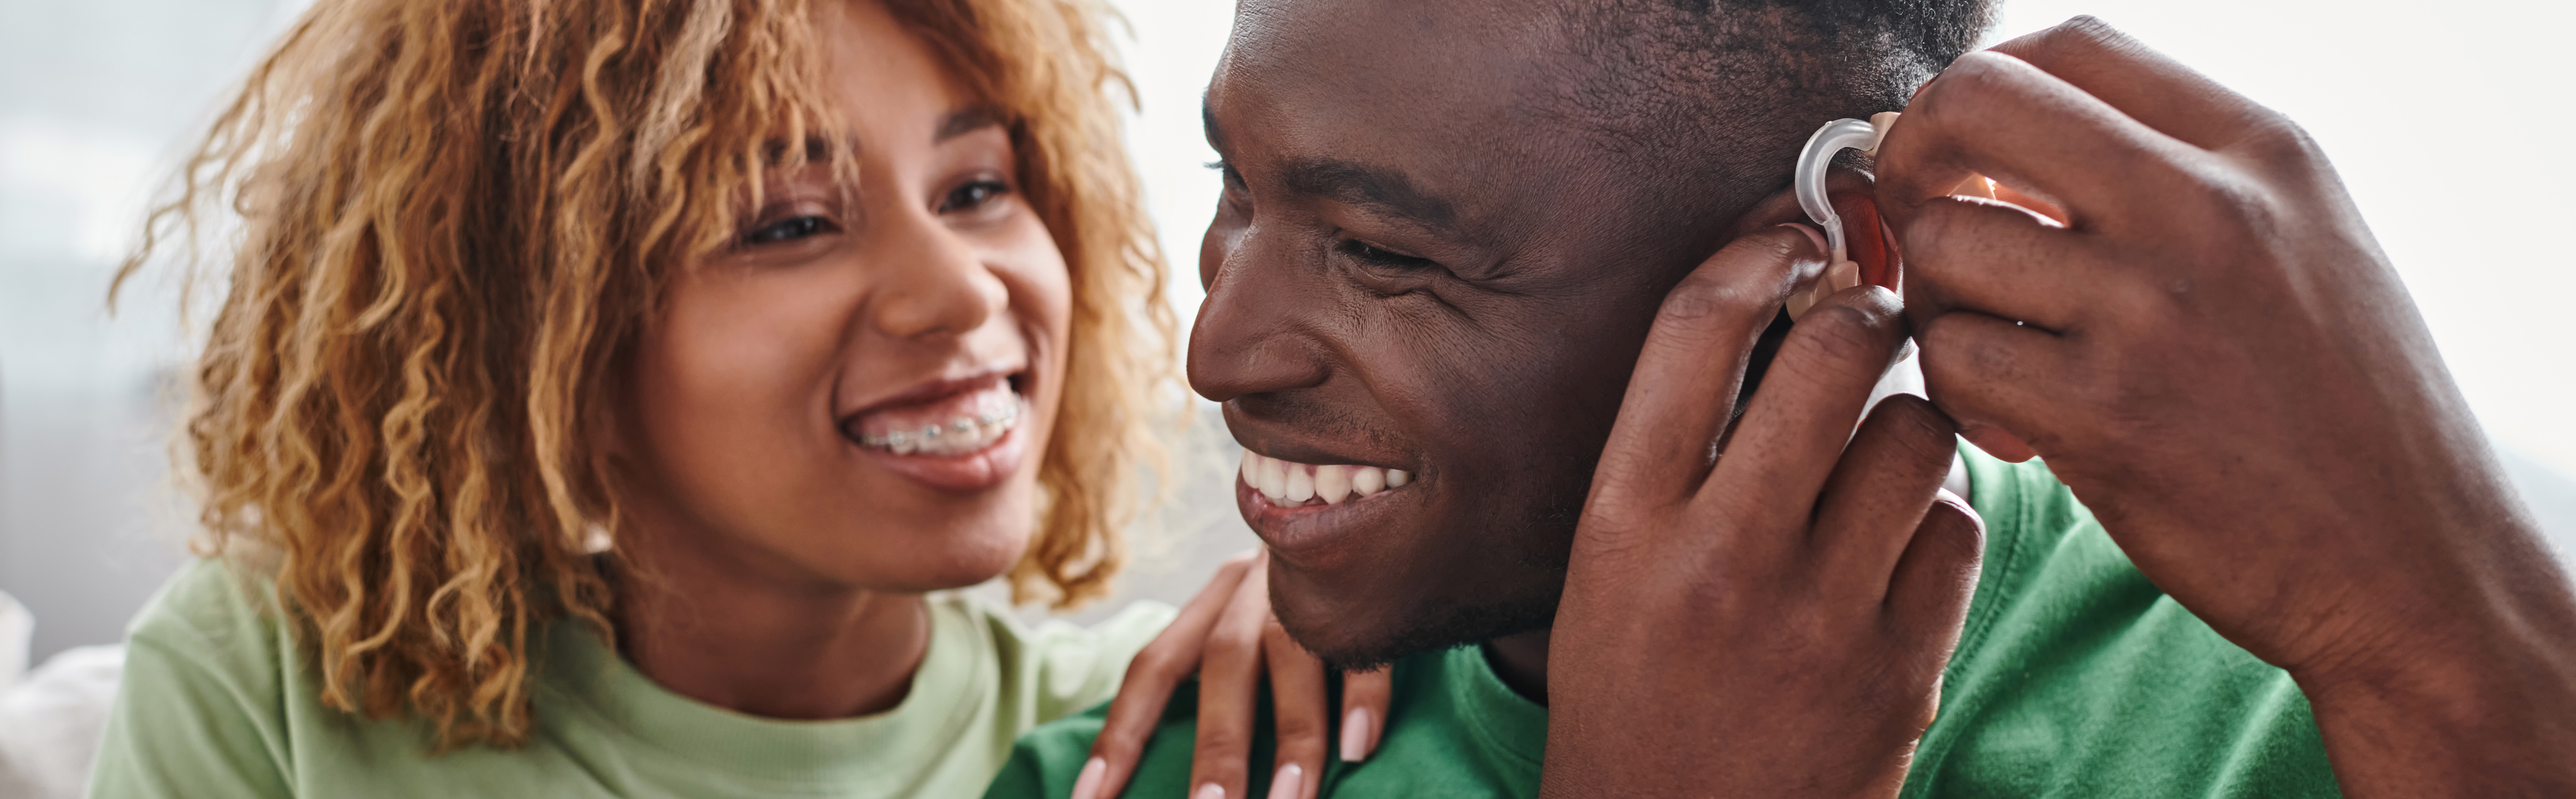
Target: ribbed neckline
x=952, y=687
x=1501, y=718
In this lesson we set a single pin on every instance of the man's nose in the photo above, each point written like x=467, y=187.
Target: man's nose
x=1248, y=339
x=936, y=283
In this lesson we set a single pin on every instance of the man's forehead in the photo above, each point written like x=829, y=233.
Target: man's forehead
x=1437, y=101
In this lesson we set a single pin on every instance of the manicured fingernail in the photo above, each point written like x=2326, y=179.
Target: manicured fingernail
x=1087, y=786
x=1289, y=784
x=1355, y=735
x=1210, y=791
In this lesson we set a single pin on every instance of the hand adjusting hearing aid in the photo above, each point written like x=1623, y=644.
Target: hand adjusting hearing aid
x=1829, y=141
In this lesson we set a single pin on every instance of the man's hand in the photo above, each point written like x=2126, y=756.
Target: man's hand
x=2209, y=348
x=1802, y=595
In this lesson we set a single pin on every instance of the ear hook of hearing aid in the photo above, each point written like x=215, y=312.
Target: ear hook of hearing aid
x=1829, y=141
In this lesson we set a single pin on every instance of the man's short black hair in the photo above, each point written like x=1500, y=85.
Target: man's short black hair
x=1738, y=84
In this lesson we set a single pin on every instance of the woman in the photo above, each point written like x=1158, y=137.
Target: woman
x=600, y=387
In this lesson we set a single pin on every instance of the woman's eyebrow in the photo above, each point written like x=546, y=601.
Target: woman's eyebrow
x=967, y=120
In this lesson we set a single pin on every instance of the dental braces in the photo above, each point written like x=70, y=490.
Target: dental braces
x=930, y=433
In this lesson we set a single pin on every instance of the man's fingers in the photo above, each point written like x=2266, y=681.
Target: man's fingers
x=2150, y=88
x=1995, y=115
x=1364, y=699
x=1229, y=684
x=2001, y=261
x=1683, y=390
x=1794, y=429
x=1938, y=573
x=1151, y=676
x=1989, y=374
x=1878, y=493
x=1297, y=706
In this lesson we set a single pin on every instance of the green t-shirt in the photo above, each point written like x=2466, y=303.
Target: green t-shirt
x=2074, y=677
x=217, y=702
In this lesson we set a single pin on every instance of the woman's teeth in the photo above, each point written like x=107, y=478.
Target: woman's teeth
x=1288, y=484
x=956, y=426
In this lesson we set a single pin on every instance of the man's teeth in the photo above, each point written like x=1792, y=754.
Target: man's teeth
x=1290, y=484
x=957, y=436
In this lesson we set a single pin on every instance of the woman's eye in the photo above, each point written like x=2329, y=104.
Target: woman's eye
x=973, y=195
x=787, y=230
x=1373, y=255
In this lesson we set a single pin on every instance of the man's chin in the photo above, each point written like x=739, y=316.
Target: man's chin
x=1364, y=644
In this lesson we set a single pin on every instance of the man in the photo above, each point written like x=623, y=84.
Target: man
x=1447, y=233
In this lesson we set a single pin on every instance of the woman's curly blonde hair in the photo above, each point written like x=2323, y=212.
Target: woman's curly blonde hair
x=453, y=216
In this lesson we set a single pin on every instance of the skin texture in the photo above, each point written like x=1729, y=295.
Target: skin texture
x=780, y=566
x=750, y=505
x=2221, y=363
x=1406, y=271
x=2217, y=359
x=1684, y=572
x=1410, y=269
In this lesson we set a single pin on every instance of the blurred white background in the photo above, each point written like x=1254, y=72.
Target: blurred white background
x=2436, y=116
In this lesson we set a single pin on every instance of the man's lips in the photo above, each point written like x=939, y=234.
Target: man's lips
x=1305, y=525
x=1290, y=484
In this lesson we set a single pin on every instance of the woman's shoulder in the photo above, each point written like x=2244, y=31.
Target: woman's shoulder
x=216, y=610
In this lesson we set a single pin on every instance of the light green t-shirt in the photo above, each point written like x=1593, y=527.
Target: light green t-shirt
x=217, y=702
x=2074, y=678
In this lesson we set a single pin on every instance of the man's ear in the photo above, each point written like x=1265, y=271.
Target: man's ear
x=1866, y=238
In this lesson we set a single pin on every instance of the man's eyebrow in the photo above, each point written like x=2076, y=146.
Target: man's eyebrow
x=1384, y=190
x=967, y=120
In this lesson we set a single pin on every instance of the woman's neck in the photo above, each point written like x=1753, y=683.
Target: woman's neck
x=708, y=626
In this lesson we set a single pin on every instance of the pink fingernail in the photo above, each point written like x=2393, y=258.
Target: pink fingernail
x=1289, y=784
x=1355, y=735
x=1087, y=786
x=1210, y=791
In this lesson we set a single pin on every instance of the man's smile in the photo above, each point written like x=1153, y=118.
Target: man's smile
x=1315, y=517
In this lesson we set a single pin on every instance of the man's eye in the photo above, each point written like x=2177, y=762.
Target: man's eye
x=972, y=196
x=787, y=230
x=1373, y=255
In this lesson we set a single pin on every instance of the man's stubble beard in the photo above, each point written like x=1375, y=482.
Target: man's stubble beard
x=1453, y=621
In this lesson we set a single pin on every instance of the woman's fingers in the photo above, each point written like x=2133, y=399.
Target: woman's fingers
x=1297, y=704
x=1229, y=681
x=1157, y=669
x=1364, y=698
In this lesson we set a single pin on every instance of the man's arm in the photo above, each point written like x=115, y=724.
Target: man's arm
x=2212, y=352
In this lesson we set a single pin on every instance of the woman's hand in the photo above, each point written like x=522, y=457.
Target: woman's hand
x=1229, y=638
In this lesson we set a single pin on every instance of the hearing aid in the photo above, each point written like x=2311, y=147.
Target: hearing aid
x=1809, y=183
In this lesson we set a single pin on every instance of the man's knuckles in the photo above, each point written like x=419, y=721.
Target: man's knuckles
x=1852, y=337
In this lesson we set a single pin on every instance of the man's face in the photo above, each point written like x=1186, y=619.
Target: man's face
x=1423, y=262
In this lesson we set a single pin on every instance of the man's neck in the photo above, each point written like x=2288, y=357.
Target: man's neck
x=1521, y=660
x=705, y=628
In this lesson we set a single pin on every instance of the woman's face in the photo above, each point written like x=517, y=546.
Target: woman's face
x=857, y=396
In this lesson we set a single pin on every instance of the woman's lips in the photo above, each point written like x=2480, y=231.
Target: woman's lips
x=968, y=440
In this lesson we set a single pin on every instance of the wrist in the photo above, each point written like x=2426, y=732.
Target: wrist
x=2482, y=704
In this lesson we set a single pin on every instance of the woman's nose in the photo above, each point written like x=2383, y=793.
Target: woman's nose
x=936, y=284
